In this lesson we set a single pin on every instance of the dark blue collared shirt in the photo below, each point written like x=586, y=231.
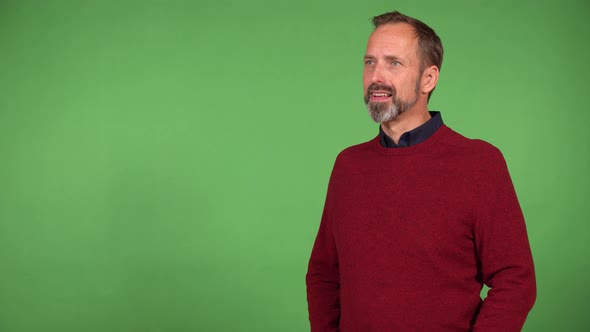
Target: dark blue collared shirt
x=414, y=136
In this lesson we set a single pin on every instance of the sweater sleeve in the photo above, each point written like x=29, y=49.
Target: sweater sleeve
x=323, y=277
x=503, y=250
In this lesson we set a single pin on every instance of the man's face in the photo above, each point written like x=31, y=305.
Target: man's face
x=391, y=76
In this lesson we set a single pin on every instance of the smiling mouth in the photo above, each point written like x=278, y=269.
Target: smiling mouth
x=380, y=95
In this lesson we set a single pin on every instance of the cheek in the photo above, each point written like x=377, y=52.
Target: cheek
x=406, y=89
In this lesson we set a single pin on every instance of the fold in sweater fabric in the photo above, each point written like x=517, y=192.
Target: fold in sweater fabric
x=408, y=237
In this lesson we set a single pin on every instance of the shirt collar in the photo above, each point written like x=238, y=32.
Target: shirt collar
x=414, y=136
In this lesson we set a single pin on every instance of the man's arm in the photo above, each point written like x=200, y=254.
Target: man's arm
x=504, y=252
x=323, y=278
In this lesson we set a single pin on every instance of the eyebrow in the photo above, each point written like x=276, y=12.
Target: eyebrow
x=393, y=57
x=387, y=57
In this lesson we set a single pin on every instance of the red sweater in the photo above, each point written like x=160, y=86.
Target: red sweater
x=408, y=237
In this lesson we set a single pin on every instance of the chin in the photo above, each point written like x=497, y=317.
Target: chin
x=381, y=114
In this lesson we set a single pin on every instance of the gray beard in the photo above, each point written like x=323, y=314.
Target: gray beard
x=383, y=112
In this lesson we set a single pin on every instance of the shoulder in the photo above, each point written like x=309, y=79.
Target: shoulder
x=476, y=148
x=353, y=158
x=358, y=151
x=479, y=161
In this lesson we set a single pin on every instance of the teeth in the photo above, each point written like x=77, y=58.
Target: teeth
x=380, y=94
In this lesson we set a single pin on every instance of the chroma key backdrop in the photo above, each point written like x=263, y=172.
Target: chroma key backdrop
x=164, y=163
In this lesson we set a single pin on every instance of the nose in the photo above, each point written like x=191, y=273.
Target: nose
x=378, y=74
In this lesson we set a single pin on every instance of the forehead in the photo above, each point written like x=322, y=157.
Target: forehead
x=396, y=38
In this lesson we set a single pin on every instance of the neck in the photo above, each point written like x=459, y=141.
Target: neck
x=405, y=122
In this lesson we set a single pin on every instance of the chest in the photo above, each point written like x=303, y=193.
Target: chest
x=412, y=207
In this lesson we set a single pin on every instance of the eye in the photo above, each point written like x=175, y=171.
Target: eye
x=369, y=62
x=395, y=63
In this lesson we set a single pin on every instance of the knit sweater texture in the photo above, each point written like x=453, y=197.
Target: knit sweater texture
x=409, y=236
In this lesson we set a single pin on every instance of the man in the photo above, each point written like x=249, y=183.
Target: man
x=418, y=219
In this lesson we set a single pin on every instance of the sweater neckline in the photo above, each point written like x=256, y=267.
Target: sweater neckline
x=432, y=140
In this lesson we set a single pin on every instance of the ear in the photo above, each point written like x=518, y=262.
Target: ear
x=429, y=79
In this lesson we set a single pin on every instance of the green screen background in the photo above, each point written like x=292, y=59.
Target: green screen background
x=164, y=163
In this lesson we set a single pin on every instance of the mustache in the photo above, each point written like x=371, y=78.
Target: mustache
x=381, y=87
